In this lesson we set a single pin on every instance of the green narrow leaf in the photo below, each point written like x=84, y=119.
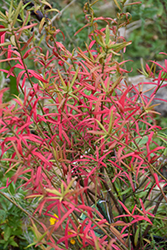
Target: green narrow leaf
x=16, y=13
x=62, y=188
x=62, y=81
x=10, y=10
x=14, y=244
x=2, y=241
x=115, y=84
x=94, y=3
x=70, y=185
x=3, y=29
x=142, y=141
x=108, y=83
x=12, y=188
x=41, y=25
x=41, y=39
x=107, y=34
x=74, y=96
x=74, y=78
x=162, y=139
x=102, y=127
x=53, y=191
x=119, y=46
x=3, y=21
x=117, y=4
x=136, y=236
x=12, y=39
x=97, y=244
x=104, y=87
x=3, y=16
x=39, y=236
x=99, y=42
x=5, y=44
x=46, y=3
x=50, y=10
x=7, y=233
x=110, y=123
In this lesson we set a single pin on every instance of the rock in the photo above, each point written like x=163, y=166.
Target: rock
x=149, y=85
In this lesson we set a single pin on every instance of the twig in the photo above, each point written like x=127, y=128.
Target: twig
x=22, y=209
x=58, y=15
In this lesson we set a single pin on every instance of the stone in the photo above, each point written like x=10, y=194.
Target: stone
x=149, y=86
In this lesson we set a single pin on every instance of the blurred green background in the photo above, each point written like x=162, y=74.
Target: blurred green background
x=147, y=31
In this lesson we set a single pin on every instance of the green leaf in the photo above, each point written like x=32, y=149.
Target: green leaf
x=13, y=243
x=142, y=141
x=128, y=190
x=136, y=236
x=74, y=78
x=107, y=34
x=3, y=29
x=165, y=151
x=62, y=81
x=110, y=123
x=7, y=233
x=4, y=205
x=160, y=10
x=99, y=42
x=12, y=86
x=2, y=241
x=53, y=191
x=52, y=10
x=12, y=188
x=10, y=10
x=5, y=44
x=70, y=185
x=2, y=216
x=102, y=127
x=3, y=16
x=16, y=13
x=119, y=46
x=117, y=4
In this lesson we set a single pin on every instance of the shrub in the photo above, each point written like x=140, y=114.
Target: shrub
x=81, y=138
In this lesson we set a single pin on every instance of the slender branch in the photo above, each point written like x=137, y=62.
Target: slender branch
x=58, y=15
x=22, y=209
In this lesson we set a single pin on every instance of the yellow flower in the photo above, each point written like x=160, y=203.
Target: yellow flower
x=53, y=220
x=72, y=241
